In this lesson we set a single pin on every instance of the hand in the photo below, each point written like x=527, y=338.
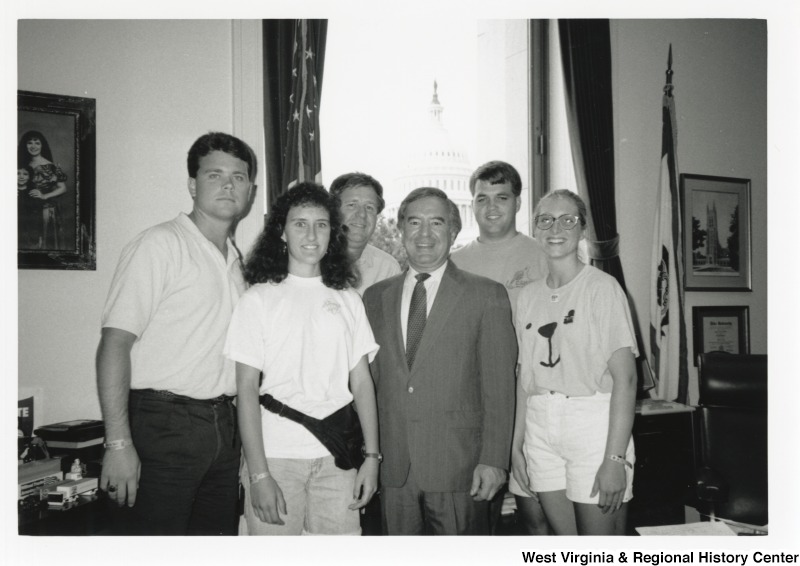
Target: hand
x=486, y=480
x=267, y=500
x=36, y=193
x=519, y=467
x=120, y=476
x=366, y=483
x=610, y=482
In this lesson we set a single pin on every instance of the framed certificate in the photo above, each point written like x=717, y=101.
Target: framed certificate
x=721, y=329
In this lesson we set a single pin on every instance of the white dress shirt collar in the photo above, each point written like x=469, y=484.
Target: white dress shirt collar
x=431, y=288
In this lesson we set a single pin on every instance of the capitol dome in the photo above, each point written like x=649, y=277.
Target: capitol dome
x=435, y=159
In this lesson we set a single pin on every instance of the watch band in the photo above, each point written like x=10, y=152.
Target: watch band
x=377, y=455
x=620, y=460
x=255, y=478
x=117, y=444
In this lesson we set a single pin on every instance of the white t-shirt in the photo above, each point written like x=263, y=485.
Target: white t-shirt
x=305, y=338
x=175, y=291
x=567, y=335
x=515, y=263
x=375, y=265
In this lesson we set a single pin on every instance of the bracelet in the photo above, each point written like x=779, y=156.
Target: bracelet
x=377, y=455
x=258, y=477
x=621, y=460
x=117, y=444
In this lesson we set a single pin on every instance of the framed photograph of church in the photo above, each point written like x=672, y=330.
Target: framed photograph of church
x=716, y=233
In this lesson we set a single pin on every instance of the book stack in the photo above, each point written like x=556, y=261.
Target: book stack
x=33, y=476
x=78, y=439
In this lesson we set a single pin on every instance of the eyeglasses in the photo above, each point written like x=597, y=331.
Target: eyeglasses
x=566, y=221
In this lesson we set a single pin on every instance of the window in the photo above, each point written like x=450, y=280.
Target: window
x=379, y=100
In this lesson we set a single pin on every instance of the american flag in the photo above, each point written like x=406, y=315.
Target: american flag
x=668, y=350
x=301, y=157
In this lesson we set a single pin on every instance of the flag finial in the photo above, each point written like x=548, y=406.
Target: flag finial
x=668, y=87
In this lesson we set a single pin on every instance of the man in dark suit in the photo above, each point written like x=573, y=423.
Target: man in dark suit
x=444, y=377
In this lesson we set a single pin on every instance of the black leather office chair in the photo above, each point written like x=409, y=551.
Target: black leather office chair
x=732, y=444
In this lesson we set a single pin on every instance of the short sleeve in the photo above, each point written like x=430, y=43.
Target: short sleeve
x=60, y=176
x=138, y=285
x=245, y=340
x=363, y=343
x=613, y=319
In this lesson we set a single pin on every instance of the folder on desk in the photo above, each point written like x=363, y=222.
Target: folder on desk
x=660, y=406
x=77, y=431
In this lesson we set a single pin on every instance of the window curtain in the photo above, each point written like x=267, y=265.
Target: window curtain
x=294, y=57
x=586, y=61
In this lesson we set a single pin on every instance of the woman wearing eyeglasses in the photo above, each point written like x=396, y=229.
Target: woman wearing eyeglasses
x=577, y=382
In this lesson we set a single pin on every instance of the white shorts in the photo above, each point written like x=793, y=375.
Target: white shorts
x=565, y=442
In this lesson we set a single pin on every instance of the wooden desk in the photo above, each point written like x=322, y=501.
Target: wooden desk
x=664, y=470
x=88, y=516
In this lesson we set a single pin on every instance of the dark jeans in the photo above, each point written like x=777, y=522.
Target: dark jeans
x=190, y=452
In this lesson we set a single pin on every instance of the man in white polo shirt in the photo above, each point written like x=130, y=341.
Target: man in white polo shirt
x=509, y=257
x=171, y=447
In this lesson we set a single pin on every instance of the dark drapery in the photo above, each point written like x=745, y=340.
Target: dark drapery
x=294, y=57
x=586, y=60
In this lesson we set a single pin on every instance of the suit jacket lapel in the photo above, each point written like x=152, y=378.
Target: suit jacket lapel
x=446, y=301
x=392, y=296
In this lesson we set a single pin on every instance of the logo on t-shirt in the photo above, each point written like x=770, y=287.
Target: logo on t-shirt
x=520, y=278
x=547, y=331
x=331, y=306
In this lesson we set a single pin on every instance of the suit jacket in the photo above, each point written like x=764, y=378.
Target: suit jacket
x=455, y=408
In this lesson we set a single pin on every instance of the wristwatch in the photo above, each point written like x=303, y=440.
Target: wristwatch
x=377, y=455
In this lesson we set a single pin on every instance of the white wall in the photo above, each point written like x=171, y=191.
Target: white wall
x=158, y=85
x=720, y=79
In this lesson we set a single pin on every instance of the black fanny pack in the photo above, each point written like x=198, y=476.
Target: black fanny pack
x=339, y=432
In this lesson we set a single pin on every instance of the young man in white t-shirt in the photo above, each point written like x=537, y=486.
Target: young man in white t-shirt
x=509, y=257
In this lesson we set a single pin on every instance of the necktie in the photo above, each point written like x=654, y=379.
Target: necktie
x=417, y=314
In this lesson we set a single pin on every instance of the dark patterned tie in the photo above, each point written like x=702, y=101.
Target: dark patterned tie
x=417, y=313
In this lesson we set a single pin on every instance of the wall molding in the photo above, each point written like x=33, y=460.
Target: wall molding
x=248, y=116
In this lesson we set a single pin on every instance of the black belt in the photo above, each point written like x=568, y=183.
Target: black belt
x=183, y=399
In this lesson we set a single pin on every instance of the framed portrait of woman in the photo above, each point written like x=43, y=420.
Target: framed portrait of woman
x=55, y=181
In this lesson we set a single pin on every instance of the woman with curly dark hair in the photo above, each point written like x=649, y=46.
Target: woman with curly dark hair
x=304, y=328
x=269, y=260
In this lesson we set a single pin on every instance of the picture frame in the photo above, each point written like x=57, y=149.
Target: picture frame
x=55, y=181
x=721, y=329
x=717, y=236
